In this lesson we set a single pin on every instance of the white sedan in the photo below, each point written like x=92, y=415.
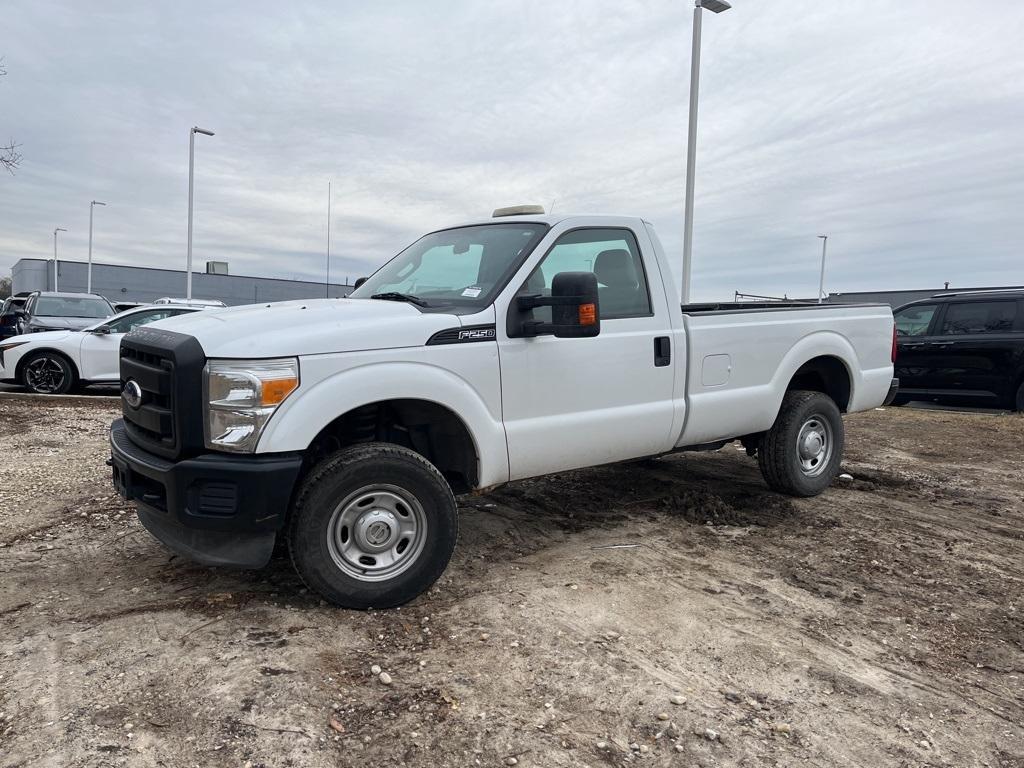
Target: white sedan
x=55, y=362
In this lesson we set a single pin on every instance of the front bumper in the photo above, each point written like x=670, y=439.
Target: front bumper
x=894, y=387
x=216, y=509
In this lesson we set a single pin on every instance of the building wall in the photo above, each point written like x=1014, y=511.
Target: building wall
x=124, y=283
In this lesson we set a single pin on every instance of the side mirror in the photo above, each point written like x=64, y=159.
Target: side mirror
x=575, y=311
x=103, y=330
x=359, y=282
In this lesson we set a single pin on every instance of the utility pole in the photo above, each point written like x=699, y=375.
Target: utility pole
x=821, y=280
x=191, y=166
x=88, y=278
x=328, y=282
x=715, y=6
x=56, y=265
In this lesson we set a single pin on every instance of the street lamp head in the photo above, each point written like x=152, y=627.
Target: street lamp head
x=715, y=6
x=59, y=229
x=97, y=202
x=196, y=129
x=823, y=237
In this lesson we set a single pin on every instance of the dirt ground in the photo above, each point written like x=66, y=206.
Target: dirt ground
x=671, y=612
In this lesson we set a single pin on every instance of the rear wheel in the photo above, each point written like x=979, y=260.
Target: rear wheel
x=800, y=454
x=47, y=373
x=373, y=526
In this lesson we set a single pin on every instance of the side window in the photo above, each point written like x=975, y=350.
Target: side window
x=979, y=317
x=914, y=321
x=612, y=255
x=131, y=322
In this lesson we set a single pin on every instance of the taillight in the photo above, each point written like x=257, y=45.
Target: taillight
x=894, y=343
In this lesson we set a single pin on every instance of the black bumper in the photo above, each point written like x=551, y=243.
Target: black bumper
x=894, y=387
x=216, y=509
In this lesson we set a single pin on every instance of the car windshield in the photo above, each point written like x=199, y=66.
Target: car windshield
x=454, y=268
x=71, y=306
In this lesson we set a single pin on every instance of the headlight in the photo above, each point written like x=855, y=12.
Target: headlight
x=241, y=396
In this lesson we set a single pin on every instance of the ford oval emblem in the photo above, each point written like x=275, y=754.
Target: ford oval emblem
x=132, y=393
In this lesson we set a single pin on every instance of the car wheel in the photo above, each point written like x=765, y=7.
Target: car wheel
x=1018, y=404
x=372, y=526
x=48, y=373
x=800, y=454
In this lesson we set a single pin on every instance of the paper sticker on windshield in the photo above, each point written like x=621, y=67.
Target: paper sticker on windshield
x=472, y=292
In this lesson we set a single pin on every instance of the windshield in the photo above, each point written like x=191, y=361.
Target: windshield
x=454, y=268
x=69, y=306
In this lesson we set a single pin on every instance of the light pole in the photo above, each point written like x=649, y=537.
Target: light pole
x=88, y=272
x=821, y=280
x=191, y=165
x=55, y=265
x=715, y=6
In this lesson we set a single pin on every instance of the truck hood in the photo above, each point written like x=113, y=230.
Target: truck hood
x=311, y=327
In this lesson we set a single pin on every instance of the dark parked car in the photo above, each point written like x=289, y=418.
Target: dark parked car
x=964, y=347
x=51, y=311
x=9, y=315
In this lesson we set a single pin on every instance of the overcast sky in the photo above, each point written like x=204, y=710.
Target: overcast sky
x=896, y=127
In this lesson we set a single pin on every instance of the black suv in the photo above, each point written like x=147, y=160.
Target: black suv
x=964, y=347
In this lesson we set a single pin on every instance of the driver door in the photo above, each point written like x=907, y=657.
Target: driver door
x=99, y=353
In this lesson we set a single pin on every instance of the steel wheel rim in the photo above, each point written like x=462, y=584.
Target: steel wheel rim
x=44, y=374
x=814, y=445
x=377, y=532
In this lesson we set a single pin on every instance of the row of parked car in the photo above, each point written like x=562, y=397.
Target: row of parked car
x=52, y=343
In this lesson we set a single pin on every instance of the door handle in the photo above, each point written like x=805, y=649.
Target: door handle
x=915, y=344
x=662, y=351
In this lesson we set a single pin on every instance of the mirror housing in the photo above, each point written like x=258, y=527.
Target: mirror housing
x=575, y=310
x=359, y=282
x=103, y=330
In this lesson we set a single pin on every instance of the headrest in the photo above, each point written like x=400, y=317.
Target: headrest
x=614, y=268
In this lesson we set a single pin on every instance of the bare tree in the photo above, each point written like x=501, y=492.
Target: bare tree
x=10, y=157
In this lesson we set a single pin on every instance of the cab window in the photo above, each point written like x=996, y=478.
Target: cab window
x=612, y=255
x=979, y=317
x=914, y=321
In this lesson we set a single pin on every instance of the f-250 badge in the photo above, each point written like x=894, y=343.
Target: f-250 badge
x=476, y=334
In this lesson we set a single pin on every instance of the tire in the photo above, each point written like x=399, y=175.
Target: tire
x=48, y=373
x=800, y=454
x=351, y=516
x=899, y=402
x=1018, y=401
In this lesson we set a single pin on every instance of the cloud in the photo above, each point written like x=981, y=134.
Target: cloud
x=893, y=127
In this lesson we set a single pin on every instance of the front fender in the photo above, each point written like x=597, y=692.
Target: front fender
x=312, y=407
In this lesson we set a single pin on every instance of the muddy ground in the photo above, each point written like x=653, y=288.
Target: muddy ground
x=878, y=625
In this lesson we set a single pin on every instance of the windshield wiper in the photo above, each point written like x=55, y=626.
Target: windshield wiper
x=395, y=296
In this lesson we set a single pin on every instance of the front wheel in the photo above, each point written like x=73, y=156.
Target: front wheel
x=801, y=452
x=373, y=526
x=47, y=373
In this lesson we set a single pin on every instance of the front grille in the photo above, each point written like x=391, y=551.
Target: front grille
x=167, y=367
x=153, y=419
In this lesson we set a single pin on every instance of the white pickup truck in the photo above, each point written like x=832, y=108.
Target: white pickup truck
x=498, y=350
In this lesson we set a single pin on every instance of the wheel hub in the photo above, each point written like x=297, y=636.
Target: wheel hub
x=376, y=530
x=811, y=444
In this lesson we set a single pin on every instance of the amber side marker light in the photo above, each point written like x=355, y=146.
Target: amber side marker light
x=588, y=314
x=276, y=390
